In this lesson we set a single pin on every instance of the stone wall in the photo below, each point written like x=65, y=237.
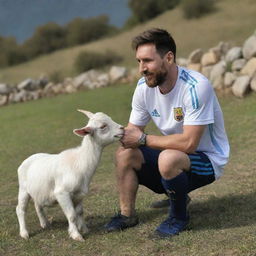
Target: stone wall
x=230, y=69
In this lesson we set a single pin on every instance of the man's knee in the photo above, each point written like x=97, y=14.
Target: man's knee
x=172, y=162
x=128, y=158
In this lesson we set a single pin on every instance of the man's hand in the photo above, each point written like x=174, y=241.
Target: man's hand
x=131, y=137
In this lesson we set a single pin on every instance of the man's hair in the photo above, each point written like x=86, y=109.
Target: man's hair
x=159, y=37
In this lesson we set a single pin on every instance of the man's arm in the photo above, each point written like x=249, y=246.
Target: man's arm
x=186, y=142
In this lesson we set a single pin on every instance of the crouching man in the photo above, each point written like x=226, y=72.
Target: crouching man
x=193, y=148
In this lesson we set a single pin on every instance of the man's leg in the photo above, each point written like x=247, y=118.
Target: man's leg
x=127, y=162
x=172, y=167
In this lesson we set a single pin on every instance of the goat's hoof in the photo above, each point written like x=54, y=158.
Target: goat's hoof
x=45, y=225
x=78, y=238
x=24, y=235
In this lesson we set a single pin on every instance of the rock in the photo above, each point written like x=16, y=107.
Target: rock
x=249, y=47
x=28, y=84
x=48, y=90
x=229, y=79
x=195, y=56
x=249, y=68
x=79, y=80
x=3, y=100
x=233, y=54
x=103, y=80
x=223, y=48
x=241, y=86
x=206, y=71
x=70, y=89
x=19, y=96
x=253, y=84
x=5, y=89
x=181, y=62
x=238, y=64
x=218, y=71
x=116, y=73
x=209, y=58
x=218, y=83
x=194, y=66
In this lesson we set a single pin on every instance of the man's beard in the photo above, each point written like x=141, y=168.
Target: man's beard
x=155, y=79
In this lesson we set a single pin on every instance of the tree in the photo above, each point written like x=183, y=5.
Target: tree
x=46, y=39
x=149, y=9
x=81, y=31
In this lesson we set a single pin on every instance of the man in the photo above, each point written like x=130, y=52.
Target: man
x=194, y=147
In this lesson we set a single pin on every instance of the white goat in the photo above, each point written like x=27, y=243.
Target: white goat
x=65, y=177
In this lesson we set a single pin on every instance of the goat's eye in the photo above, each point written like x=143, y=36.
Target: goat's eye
x=103, y=126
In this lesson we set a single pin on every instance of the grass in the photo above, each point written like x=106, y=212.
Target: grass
x=222, y=214
x=234, y=21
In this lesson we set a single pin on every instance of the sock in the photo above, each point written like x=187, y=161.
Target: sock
x=176, y=189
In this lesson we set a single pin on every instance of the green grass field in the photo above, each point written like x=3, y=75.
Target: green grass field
x=234, y=21
x=222, y=214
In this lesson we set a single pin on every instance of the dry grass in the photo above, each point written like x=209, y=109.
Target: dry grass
x=233, y=22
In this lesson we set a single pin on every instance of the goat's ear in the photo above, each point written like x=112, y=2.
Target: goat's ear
x=87, y=113
x=83, y=131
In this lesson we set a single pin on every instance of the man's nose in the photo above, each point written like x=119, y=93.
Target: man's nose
x=142, y=67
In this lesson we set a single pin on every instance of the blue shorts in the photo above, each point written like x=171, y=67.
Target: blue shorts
x=200, y=174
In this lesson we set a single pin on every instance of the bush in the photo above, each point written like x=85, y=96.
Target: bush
x=46, y=39
x=10, y=53
x=91, y=60
x=148, y=9
x=197, y=8
x=81, y=31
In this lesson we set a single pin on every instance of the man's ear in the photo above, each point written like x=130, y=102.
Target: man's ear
x=83, y=131
x=170, y=57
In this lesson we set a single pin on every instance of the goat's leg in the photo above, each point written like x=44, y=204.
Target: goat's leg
x=80, y=219
x=67, y=206
x=44, y=223
x=23, y=199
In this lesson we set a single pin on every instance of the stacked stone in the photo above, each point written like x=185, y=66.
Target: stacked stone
x=228, y=68
x=31, y=89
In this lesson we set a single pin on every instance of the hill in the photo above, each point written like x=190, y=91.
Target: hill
x=233, y=22
x=61, y=12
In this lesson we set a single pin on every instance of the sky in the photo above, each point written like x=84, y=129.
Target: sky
x=19, y=18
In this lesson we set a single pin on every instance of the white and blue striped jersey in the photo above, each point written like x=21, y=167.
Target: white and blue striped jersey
x=192, y=101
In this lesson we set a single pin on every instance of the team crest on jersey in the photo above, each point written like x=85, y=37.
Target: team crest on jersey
x=178, y=114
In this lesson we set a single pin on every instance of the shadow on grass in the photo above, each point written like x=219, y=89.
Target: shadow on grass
x=224, y=212
x=216, y=213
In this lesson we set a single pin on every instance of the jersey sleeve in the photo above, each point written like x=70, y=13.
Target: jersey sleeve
x=139, y=114
x=199, y=104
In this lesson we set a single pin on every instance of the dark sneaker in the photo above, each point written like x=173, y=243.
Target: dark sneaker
x=120, y=222
x=170, y=227
x=165, y=203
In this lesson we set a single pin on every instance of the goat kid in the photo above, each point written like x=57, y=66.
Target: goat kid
x=65, y=177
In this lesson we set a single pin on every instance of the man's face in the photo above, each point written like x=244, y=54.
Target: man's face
x=151, y=65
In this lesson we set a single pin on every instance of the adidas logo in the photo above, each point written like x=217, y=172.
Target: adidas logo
x=155, y=113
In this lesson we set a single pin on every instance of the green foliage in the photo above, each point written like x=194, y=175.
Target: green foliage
x=148, y=9
x=90, y=60
x=46, y=39
x=51, y=37
x=10, y=53
x=81, y=31
x=197, y=8
x=56, y=76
